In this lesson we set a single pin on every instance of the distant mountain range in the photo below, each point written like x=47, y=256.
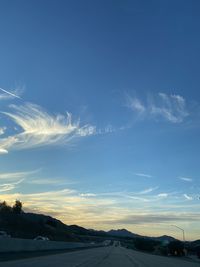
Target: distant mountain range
x=30, y=225
x=122, y=233
x=126, y=233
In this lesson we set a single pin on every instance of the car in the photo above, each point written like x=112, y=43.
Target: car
x=3, y=234
x=43, y=238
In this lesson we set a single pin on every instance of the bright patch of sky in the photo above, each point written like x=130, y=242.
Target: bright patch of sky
x=100, y=111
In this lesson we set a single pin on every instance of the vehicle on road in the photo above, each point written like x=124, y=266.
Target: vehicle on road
x=43, y=238
x=3, y=234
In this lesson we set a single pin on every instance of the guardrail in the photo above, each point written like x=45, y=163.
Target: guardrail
x=17, y=244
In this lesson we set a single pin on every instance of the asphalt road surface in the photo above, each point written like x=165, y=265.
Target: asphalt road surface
x=101, y=257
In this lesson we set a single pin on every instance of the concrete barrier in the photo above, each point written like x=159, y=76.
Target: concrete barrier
x=16, y=245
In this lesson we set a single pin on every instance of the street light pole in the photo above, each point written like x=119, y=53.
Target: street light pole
x=181, y=230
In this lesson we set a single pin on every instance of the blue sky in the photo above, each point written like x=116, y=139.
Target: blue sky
x=103, y=120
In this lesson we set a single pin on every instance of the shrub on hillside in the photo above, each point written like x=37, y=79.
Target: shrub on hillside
x=176, y=248
x=198, y=251
x=145, y=244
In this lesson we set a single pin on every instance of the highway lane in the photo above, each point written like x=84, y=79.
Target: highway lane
x=101, y=257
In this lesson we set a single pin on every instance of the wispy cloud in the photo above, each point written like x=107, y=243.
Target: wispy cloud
x=143, y=175
x=147, y=190
x=163, y=195
x=50, y=181
x=138, y=199
x=9, y=94
x=3, y=151
x=39, y=128
x=9, y=186
x=69, y=201
x=170, y=107
x=149, y=218
x=188, y=197
x=135, y=104
x=87, y=195
x=16, y=175
x=2, y=130
x=186, y=179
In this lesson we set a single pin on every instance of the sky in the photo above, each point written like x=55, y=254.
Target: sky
x=100, y=112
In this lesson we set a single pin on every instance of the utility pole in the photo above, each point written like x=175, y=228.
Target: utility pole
x=181, y=230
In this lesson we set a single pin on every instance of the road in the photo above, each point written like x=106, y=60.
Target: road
x=100, y=257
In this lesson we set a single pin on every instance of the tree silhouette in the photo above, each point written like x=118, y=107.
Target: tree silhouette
x=5, y=208
x=17, y=207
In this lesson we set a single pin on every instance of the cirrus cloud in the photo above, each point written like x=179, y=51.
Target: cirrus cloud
x=186, y=179
x=39, y=128
x=170, y=107
x=10, y=94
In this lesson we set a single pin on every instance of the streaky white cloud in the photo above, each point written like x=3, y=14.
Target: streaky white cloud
x=147, y=190
x=135, y=104
x=157, y=218
x=143, y=175
x=86, y=130
x=9, y=186
x=3, y=151
x=88, y=195
x=9, y=94
x=2, y=130
x=186, y=179
x=163, y=195
x=39, y=128
x=107, y=130
x=44, y=181
x=188, y=197
x=140, y=199
x=50, y=181
x=170, y=107
x=16, y=175
x=53, y=194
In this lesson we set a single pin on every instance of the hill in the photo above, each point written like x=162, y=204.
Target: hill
x=122, y=233
x=19, y=224
x=164, y=239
